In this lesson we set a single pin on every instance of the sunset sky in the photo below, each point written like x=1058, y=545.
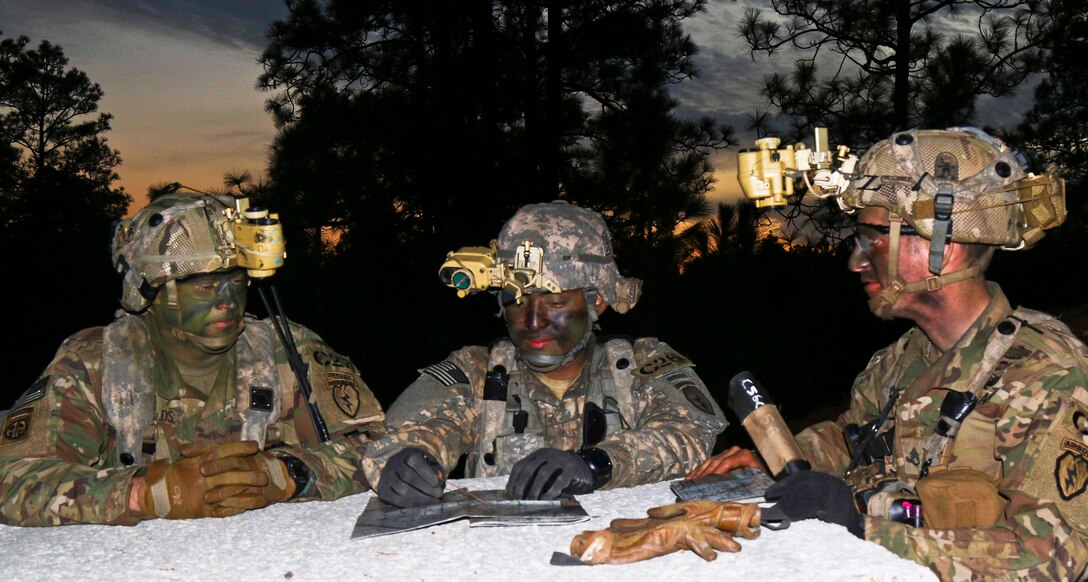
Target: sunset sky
x=179, y=75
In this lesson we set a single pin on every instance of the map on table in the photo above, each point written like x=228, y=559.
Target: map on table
x=742, y=485
x=489, y=508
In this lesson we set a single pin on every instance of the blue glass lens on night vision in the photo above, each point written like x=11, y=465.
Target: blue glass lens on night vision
x=461, y=280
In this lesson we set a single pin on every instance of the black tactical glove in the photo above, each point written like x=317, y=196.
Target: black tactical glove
x=411, y=478
x=547, y=473
x=811, y=494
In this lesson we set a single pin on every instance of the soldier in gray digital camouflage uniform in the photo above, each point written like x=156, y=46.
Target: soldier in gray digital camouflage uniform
x=183, y=407
x=556, y=406
x=980, y=412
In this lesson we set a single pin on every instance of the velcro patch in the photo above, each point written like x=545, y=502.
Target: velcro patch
x=1071, y=469
x=32, y=394
x=345, y=392
x=660, y=364
x=446, y=372
x=16, y=426
x=690, y=389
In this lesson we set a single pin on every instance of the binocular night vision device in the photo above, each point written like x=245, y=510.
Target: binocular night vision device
x=258, y=239
x=767, y=172
x=473, y=269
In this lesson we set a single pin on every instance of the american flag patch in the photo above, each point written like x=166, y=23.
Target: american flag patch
x=32, y=394
x=447, y=373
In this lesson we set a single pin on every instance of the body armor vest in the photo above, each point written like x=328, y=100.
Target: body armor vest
x=131, y=374
x=503, y=441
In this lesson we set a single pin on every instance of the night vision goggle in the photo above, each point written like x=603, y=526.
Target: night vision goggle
x=767, y=173
x=473, y=269
x=258, y=238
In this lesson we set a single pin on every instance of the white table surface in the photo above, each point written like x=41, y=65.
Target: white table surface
x=311, y=541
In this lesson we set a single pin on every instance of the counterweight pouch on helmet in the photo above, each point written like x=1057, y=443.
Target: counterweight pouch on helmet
x=960, y=497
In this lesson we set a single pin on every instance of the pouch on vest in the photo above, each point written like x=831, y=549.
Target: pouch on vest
x=960, y=497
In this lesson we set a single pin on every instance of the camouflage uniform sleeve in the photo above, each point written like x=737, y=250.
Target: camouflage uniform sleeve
x=676, y=422
x=1041, y=440
x=823, y=443
x=52, y=465
x=352, y=415
x=437, y=413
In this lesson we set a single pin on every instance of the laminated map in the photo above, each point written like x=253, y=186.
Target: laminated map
x=741, y=486
x=488, y=508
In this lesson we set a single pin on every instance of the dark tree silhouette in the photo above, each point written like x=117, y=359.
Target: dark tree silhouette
x=894, y=64
x=57, y=198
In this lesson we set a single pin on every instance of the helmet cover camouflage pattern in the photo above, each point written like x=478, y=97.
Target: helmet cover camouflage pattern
x=577, y=250
x=985, y=177
x=173, y=237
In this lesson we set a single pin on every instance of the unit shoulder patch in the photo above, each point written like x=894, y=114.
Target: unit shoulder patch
x=446, y=373
x=691, y=390
x=1071, y=469
x=16, y=426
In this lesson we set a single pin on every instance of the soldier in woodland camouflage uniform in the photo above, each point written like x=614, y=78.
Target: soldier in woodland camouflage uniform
x=980, y=412
x=556, y=406
x=183, y=407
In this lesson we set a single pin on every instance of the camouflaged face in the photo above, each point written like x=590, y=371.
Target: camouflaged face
x=577, y=250
x=175, y=236
x=984, y=176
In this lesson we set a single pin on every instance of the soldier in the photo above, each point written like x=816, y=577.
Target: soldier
x=183, y=407
x=980, y=412
x=556, y=406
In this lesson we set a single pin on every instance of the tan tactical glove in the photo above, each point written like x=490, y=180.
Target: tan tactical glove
x=700, y=526
x=247, y=481
x=176, y=490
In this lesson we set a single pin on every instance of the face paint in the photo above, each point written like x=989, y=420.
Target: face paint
x=548, y=324
x=210, y=310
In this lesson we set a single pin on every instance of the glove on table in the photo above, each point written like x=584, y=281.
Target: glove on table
x=700, y=526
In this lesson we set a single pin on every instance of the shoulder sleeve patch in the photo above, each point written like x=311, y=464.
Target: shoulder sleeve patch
x=446, y=373
x=691, y=390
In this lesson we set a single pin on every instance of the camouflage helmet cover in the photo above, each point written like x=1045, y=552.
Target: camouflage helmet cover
x=577, y=250
x=175, y=236
x=994, y=202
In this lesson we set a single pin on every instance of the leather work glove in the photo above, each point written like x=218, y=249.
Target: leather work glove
x=811, y=494
x=246, y=481
x=699, y=526
x=548, y=473
x=175, y=490
x=411, y=478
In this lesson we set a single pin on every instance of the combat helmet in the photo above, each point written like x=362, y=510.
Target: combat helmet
x=954, y=185
x=177, y=235
x=575, y=251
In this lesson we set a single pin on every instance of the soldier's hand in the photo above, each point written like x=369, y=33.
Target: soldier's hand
x=730, y=460
x=175, y=490
x=547, y=473
x=247, y=481
x=411, y=478
x=811, y=494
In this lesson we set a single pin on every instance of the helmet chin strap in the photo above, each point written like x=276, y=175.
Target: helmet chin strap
x=882, y=303
x=549, y=363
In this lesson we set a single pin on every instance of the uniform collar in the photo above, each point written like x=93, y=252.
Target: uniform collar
x=956, y=367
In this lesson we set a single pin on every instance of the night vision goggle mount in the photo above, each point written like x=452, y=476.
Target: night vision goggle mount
x=258, y=238
x=767, y=172
x=473, y=269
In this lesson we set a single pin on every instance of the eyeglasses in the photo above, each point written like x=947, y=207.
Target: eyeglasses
x=904, y=229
